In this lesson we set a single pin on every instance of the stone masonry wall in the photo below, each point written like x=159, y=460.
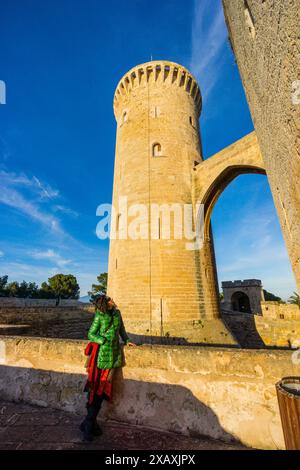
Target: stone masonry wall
x=218, y=392
x=265, y=39
x=256, y=331
x=16, y=302
x=65, y=322
x=279, y=311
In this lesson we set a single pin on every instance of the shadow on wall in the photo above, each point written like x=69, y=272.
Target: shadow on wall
x=165, y=407
x=243, y=328
x=173, y=340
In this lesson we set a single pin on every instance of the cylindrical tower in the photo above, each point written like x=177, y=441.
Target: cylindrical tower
x=155, y=281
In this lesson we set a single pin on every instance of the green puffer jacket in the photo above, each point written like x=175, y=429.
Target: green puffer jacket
x=110, y=353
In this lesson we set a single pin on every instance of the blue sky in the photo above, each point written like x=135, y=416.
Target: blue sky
x=61, y=61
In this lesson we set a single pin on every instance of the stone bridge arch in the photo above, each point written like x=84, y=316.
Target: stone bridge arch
x=210, y=179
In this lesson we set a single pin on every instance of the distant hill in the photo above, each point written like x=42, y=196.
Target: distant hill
x=85, y=299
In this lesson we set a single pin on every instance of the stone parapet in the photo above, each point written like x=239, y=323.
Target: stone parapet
x=223, y=393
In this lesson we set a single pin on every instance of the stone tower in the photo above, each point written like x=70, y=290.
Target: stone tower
x=156, y=282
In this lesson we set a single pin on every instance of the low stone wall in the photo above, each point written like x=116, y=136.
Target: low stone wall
x=282, y=333
x=47, y=321
x=16, y=302
x=223, y=393
x=205, y=331
x=279, y=311
x=256, y=331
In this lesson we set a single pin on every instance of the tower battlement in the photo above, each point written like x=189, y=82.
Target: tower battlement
x=160, y=73
x=244, y=283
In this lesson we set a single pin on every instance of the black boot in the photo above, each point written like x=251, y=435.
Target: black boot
x=86, y=426
x=89, y=427
x=96, y=430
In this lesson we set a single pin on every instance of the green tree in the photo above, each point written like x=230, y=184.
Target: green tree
x=27, y=290
x=21, y=290
x=13, y=289
x=64, y=286
x=3, y=284
x=100, y=288
x=45, y=292
x=271, y=297
x=33, y=290
x=295, y=299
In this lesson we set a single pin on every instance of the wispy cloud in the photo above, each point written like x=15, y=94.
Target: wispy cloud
x=15, y=199
x=1, y=254
x=65, y=210
x=32, y=183
x=209, y=35
x=51, y=255
x=46, y=191
x=26, y=194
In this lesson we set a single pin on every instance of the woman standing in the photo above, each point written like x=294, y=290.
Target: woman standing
x=105, y=355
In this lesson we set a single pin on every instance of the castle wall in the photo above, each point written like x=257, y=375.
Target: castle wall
x=221, y=393
x=278, y=327
x=278, y=311
x=281, y=333
x=265, y=39
x=44, y=320
x=18, y=302
x=260, y=331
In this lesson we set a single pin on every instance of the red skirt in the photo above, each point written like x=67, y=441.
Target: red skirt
x=98, y=381
x=99, y=386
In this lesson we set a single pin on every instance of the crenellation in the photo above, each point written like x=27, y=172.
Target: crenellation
x=163, y=73
x=244, y=283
